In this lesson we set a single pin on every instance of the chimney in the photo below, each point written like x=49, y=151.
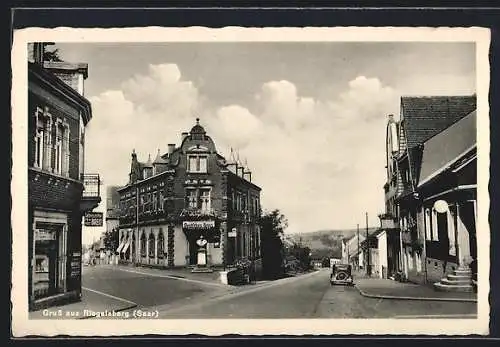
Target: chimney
x=73, y=74
x=184, y=135
x=241, y=171
x=171, y=147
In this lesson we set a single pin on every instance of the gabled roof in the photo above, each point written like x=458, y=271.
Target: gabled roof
x=447, y=147
x=425, y=116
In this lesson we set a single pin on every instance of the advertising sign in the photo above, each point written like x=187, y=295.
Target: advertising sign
x=45, y=235
x=93, y=219
x=76, y=264
x=199, y=224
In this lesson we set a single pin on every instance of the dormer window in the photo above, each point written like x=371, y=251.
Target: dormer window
x=197, y=163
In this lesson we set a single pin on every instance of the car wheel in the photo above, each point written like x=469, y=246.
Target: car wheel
x=341, y=276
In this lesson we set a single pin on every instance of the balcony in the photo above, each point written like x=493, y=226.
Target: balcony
x=387, y=221
x=91, y=195
x=197, y=213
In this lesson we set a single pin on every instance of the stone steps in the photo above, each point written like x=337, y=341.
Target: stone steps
x=458, y=281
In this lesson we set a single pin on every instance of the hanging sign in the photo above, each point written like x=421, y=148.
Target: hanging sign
x=93, y=219
x=199, y=224
x=441, y=206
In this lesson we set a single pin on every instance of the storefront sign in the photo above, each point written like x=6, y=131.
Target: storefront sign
x=93, y=219
x=198, y=224
x=45, y=235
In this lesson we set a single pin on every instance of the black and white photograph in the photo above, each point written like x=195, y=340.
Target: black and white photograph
x=250, y=181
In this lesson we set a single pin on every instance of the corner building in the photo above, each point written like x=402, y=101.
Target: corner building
x=188, y=192
x=60, y=192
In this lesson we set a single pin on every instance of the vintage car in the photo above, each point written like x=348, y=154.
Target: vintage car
x=341, y=274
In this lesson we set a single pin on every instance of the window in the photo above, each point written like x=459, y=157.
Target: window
x=143, y=244
x=205, y=200
x=442, y=225
x=160, y=243
x=161, y=200
x=50, y=243
x=197, y=163
x=141, y=205
x=58, y=151
x=39, y=138
x=428, y=226
x=155, y=202
x=434, y=225
x=191, y=198
x=151, y=245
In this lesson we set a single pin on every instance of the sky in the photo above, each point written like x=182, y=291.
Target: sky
x=309, y=117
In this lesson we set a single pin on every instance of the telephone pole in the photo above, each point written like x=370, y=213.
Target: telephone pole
x=359, y=251
x=368, y=269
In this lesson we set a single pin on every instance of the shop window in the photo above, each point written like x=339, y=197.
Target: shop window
x=143, y=244
x=160, y=243
x=151, y=245
x=50, y=243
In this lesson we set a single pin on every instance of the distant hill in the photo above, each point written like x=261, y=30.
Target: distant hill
x=326, y=243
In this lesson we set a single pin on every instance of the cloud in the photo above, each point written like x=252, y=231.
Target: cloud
x=148, y=112
x=320, y=162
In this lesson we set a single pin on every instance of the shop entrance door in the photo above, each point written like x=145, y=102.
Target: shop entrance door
x=193, y=251
x=45, y=279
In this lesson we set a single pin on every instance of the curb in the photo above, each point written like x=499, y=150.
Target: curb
x=416, y=298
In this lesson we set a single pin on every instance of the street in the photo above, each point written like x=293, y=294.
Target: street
x=306, y=296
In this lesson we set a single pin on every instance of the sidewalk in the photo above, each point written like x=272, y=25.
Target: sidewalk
x=92, y=303
x=388, y=289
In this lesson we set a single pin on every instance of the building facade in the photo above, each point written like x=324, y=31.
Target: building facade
x=447, y=189
x=113, y=215
x=188, y=194
x=59, y=190
x=421, y=118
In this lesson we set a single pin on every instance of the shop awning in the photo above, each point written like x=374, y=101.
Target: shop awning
x=126, y=246
x=118, y=250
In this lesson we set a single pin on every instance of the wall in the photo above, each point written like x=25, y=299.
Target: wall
x=438, y=269
x=382, y=254
x=181, y=249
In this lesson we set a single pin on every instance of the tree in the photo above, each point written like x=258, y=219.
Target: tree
x=50, y=55
x=273, y=225
x=111, y=239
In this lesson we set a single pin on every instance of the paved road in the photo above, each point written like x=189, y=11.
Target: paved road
x=145, y=288
x=311, y=296
x=307, y=296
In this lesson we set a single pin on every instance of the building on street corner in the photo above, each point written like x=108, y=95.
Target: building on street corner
x=60, y=192
x=189, y=207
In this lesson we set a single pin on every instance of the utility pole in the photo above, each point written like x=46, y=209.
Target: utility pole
x=359, y=251
x=368, y=269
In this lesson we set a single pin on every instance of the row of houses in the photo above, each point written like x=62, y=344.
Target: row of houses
x=427, y=232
